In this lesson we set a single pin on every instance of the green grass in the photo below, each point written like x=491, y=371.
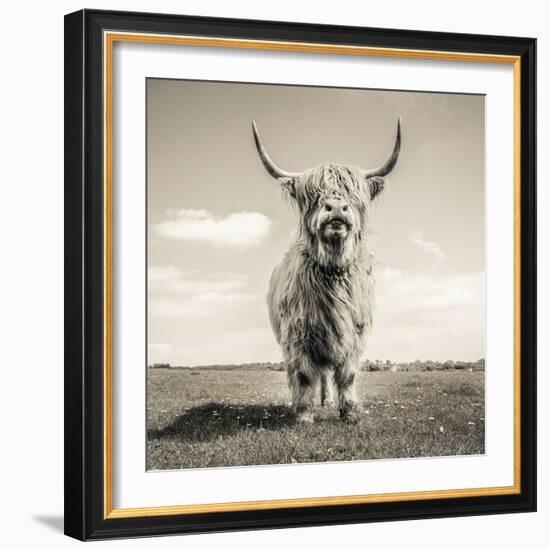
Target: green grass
x=235, y=418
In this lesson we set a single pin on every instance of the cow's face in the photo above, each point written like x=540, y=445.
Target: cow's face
x=333, y=202
x=334, y=218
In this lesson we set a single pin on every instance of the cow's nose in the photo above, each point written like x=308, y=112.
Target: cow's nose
x=337, y=207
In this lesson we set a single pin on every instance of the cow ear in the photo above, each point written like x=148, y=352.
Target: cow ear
x=289, y=186
x=376, y=184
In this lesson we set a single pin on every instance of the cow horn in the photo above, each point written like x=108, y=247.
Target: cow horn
x=392, y=161
x=269, y=165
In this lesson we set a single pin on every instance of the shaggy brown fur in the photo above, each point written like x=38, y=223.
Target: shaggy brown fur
x=321, y=295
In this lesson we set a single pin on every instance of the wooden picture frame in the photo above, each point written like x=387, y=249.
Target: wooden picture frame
x=89, y=39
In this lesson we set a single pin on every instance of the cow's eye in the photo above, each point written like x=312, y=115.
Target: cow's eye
x=328, y=207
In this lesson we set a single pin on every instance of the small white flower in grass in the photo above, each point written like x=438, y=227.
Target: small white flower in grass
x=471, y=423
x=394, y=418
x=402, y=407
x=441, y=429
x=431, y=418
x=380, y=402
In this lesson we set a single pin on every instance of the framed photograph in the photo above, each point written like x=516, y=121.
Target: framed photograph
x=300, y=274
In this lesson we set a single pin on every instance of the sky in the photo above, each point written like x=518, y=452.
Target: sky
x=217, y=224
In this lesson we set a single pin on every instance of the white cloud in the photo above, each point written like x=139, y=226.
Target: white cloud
x=432, y=315
x=242, y=345
x=417, y=238
x=177, y=294
x=169, y=279
x=403, y=290
x=239, y=229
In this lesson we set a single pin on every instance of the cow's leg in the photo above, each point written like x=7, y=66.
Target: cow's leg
x=345, y=378
x=326, y=388
x=302, y=379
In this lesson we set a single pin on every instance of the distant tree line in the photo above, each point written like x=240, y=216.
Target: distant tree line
x=368, y=365
x=242, y=366
x=418, y=365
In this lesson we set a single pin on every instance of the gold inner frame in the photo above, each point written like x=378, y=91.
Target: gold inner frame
x=109, y=39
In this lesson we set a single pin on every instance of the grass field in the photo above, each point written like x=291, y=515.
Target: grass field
x=213, y=418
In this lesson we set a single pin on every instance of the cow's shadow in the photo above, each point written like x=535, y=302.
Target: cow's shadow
x=212, y=420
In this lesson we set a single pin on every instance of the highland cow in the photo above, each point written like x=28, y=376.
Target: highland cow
x=321, y=295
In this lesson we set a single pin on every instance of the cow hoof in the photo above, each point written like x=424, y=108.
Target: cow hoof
x=350, y=416
x=304, y=418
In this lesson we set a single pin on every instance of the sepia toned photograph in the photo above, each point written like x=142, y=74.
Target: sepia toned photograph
x=315, y=274
x=300, y=274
